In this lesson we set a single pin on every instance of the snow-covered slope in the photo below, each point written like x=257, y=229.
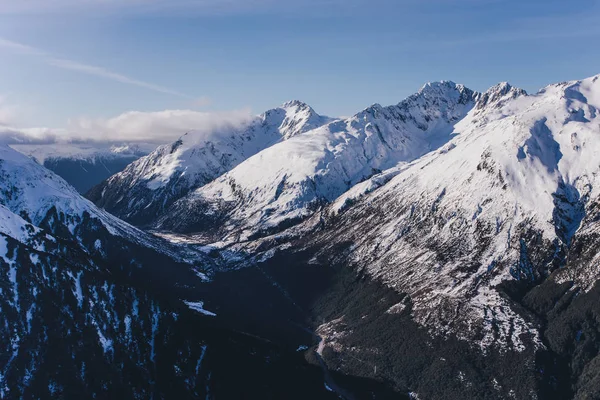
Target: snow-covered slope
x=94, y=308
x=472, y=271
x=501, y=202
x=65, y=305
x=45, y=200
x=290, y=180
x=448, y=243
x=149, y=185
x=32, y=191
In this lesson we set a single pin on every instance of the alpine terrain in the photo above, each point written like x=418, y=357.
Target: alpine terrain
x=151, y=184
x=94, y=308
x=445, y=247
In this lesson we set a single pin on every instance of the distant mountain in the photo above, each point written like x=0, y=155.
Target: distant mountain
x=85, y=166
x=148, y=186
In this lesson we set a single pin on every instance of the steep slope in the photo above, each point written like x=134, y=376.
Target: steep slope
x=46, y=200
x=290, y=180
x=570, y=303
x=77, y=325
x=502, y=202
x=148, y=186
x=94, y=308
x=72, y=323
x=70, y=328
x=489, y=242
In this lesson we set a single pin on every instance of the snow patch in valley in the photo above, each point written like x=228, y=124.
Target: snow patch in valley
x=77, y=291
x=3, y=247
x=199, y=307
x=203, y=277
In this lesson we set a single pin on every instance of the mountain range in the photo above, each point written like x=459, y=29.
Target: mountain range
x=150, y=185
x=443, y=247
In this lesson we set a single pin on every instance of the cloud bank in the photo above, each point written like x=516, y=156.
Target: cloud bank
x=135, y=126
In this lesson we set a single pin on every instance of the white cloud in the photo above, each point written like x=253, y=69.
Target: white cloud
x=21, y=48
x=85, y=68
x=104, y=73
x=13, y=135
x=162, y=126
x=154, y=127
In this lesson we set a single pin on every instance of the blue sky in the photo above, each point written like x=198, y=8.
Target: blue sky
x=63, y=60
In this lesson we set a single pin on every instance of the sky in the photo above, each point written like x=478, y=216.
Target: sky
x=148, y=69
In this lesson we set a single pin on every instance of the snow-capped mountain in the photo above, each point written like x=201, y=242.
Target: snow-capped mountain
x=290, y=180
x=446, y=247
x=490, y=240
x=151, y=184
x=69, y=315
x=46, y=200
x=94, y=308
x=84, y=166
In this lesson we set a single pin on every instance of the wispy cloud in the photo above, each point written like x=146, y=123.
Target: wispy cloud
x=144, y=7
x=518, y=30
x=573, y=25
x=85, y=68
x=21, y=48
x=518, y=36
x=104, y=73
x=133, y=6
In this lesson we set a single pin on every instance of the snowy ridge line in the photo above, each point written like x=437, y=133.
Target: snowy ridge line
x=286, y=182
x=149, y=185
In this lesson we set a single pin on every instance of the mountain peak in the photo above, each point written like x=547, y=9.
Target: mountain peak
x=442, y=88
x=502, y=90
x=296, y=104
x=294, y=117
x=438, y=85
x=447, y=90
